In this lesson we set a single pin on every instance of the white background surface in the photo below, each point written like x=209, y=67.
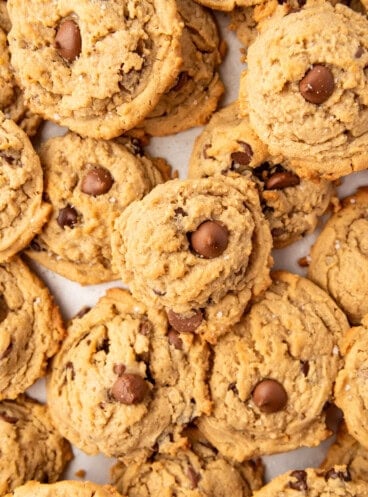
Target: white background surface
x=71, y=297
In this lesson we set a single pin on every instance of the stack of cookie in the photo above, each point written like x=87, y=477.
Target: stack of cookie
x=209, y=360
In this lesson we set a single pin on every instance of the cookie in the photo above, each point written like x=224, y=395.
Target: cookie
x=197, y=89
x=30, y=328
x=183, y=468
x=11, y=97
x=339, y=256
x=274, y=371
x=64, y=489
x=226, y=5
x=351, y=392
x=22, y=210
x=200, y=249
x=123, y=381
x=307, y=92
x=88, y=183
x=346, y=450
x=97, y=68
x=229, y=146
x=314, y=483
x=30, y=446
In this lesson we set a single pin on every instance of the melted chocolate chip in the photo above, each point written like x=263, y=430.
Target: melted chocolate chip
x=68, y=216
x=97, y=181
x=4, y=309
x=174, y=339
x=304, y=366
x=68, y=40
x=185, y=324
x=317, y=85
x=210, y=239
x=279, y=181
x=300, y=482
x=359, y=52
x=104, y=345
x=342, y=475
x=243, y=157
x=145, y=327
x=129, y=389
x=269, y=396
x=180, y=212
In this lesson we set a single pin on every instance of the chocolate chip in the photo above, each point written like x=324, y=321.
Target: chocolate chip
x=11, y=160
x=35, y=245
x=69, y=365
x=185, y=324
x=210, y=239
x=359, y=52
x=180, y=212
x=129, y=389
x=279, y=181
x=304, y=366
x=104, y=345
x=181, y=81
x=97, y=181
x=342, y=475
x=119, y=369
x=4, y=309
x=85, y=309
x=317, y=85
x=68, y=40
x=68, y=216
x=233, y=388
x=270, y=396
x=145, y=327
x=194, y=478
x=158, y=292
x=300, y=482
x=9, y=419
x=275, y=232
x=243, y=158
x=174, y=339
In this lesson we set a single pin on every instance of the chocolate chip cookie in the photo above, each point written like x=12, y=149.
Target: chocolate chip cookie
x=198, y=87
x=351, y=392
x=200, y=249
x=348, y=451
x=273, y=372
x=123, y=380
x=22, y=210
x=64, y=489
x=88, y=183
x=182, y=469
x=226, y=4
x=30, y=328
x=30, y=446
x=229, y=146
x=307, y=92
x=314, y=483
x=339, y=261
x=96, y=67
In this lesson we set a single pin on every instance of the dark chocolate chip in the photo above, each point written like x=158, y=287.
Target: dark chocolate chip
x=119, y=369
x=279, y=181
x=342, y=475
x=4, y=309
x=233, y=388
x=174, y=339
x=304, y=366
x=180, y=212
x=69, y=365
x=68, y=216
x=145, y=327
x=194, y=477
x=300, y=482
x=359, y=52
x=270, y=396
x=129, y=389
x=9, y=419
x=104, y=345
x=210, y=239
x=97, y=181
x=317, y=85
x=68, y=40
x=243, y=157
x=185, y=324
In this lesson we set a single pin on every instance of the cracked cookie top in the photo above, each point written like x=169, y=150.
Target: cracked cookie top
x=96, y=67
x=123, y=380
x=274, y=371
x=307, y=89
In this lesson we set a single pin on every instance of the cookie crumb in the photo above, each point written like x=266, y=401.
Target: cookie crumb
x=81, y=473
x=304, y=261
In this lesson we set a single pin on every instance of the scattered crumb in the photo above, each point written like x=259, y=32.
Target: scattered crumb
x=304, y=261
x=81, y=473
